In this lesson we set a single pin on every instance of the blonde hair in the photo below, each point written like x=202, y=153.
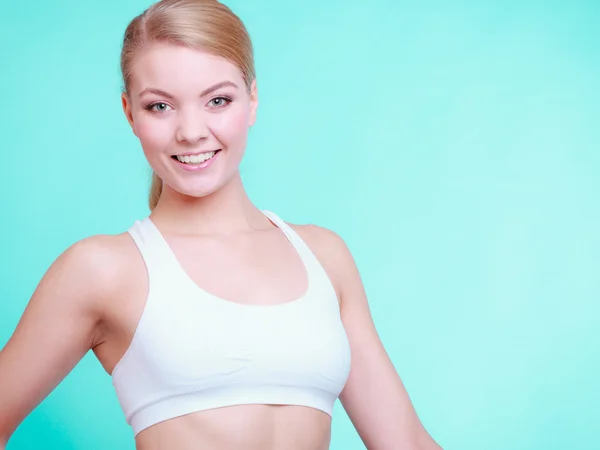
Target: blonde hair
x=205, y=25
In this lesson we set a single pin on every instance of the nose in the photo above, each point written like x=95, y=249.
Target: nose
x=191, y=127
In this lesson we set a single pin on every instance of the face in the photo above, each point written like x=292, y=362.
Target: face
x=191, y=112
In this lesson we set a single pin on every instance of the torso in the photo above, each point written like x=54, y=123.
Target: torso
x=266, y=269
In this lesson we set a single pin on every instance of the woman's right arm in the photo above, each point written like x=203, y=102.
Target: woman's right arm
x=61, y=322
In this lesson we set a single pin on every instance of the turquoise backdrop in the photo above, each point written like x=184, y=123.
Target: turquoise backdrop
x=454, y=145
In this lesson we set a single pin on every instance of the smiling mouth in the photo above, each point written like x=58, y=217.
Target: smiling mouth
x=195, y=159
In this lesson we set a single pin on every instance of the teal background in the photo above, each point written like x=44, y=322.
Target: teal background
x=454, y=145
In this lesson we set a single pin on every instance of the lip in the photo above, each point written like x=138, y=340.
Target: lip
x=196, y=167
x=197, y=153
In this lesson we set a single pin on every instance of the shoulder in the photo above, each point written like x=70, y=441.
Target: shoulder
x=94, y=266
x=332, y=252
x=323, y=240
x=81, y=283
x=98, y=255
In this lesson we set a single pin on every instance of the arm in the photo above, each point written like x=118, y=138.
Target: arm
x=374, y=396
x=59, y=325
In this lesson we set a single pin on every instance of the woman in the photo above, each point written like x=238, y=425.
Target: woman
x=223, y=327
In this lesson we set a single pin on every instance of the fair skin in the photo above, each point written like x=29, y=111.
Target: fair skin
x=93, y=294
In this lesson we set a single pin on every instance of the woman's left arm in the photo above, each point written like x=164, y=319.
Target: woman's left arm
x=374, y=397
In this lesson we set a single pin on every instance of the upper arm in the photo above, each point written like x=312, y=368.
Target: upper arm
x=59, y=325
x=374, y=396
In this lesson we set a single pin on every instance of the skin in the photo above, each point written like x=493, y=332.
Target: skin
x=92, y=296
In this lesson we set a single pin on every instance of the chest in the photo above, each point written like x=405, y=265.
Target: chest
x=263, y=268
x=209, y=342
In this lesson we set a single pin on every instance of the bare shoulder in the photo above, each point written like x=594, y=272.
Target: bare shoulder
x=322, y=239
x=331, y=251
x=95, y=265
x=99, y=258
x=99, y=249
x=84, y=285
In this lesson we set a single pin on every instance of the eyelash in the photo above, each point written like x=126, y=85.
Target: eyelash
x=228, y=100
x=151, y=106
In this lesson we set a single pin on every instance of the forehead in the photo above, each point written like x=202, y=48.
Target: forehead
x=179, y=68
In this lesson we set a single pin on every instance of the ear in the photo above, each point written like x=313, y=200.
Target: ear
x=253, y=103
x=126, y=103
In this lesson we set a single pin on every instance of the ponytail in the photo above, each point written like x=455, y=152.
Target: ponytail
x=155, y=191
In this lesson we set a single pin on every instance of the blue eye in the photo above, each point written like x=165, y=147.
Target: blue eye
x=219, y=102
x=157, y=107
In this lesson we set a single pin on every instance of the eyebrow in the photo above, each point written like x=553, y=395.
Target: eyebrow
x=205, y=92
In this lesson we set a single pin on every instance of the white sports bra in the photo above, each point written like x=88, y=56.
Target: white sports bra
x=193, y=351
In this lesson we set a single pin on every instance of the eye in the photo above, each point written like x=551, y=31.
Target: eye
x=219, y=102
x=157, y=107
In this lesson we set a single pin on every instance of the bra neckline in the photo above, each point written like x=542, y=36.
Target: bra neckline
x=216, y=299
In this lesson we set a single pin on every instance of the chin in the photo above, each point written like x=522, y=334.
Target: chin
x=198, y=190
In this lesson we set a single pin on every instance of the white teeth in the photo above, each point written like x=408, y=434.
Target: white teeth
x=195, y=159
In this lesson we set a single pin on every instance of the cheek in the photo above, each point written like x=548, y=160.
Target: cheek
x=232, y=128
x=153, y=134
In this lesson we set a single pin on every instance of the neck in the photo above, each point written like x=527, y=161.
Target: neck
x=227, y=211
